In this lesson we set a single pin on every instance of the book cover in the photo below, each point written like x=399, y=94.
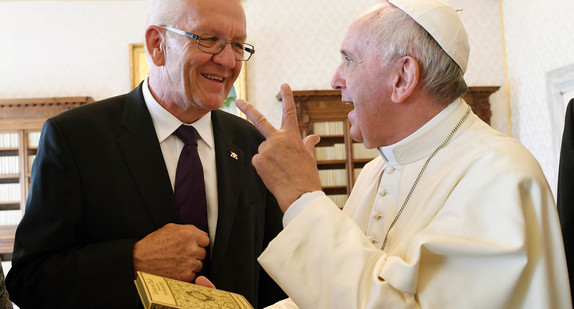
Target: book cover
x=158, y=292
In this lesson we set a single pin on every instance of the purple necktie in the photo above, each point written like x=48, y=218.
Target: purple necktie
x=189, y=185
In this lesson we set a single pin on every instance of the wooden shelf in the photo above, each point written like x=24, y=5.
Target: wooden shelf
x=331, y=162
x=9, y=151
x=335, y=190
x=479, y=99
x=360, y=162
x=330, y=140
x=21, y=117
x=317, y=106
x=9, y=206
x=9, y=178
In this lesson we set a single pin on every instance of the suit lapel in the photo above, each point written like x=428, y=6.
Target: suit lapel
x=143, y=156
x=230, y=167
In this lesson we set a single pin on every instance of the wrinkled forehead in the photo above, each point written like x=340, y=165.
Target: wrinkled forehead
x=358, y=34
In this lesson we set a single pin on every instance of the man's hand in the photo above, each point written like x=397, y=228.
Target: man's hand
x=174, y=251
x=285, y=162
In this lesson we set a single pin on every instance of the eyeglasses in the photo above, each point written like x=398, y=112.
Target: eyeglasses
x=214, y=45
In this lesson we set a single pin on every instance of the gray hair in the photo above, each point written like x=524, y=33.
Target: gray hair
x=396, y=34
x=165, y=12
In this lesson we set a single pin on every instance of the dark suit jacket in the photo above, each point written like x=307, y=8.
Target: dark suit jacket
x=99, y=184
x=565, y=199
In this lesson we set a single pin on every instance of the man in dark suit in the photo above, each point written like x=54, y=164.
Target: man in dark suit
x=565, y=199
x=102, y=205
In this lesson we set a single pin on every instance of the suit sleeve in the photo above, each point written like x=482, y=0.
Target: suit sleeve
x=51, y=266
x=565, y=199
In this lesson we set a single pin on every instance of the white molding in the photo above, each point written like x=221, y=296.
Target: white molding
x=558, y=82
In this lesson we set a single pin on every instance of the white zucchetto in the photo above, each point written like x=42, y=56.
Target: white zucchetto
x=442, y=22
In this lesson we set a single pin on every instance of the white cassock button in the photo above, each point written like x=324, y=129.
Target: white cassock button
x=373, y=240
x=390, y=169
x=377, y=216
x=382, y=192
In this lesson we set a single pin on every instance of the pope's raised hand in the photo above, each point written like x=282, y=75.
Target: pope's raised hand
x=285, y=162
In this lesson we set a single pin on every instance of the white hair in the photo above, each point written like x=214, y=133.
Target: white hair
x=165, y=12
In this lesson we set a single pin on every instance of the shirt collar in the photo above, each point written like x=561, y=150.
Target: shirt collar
x=424, y=141
x=165, y=123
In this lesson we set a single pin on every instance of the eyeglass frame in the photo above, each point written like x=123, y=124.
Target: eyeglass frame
x=250, y=49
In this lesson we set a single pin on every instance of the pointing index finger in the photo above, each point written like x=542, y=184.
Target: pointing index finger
x=289, y=119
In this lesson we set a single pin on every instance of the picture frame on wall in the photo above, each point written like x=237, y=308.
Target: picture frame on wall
x=139, y=69
x=138, y=64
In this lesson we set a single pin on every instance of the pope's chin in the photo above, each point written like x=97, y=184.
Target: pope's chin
x=356, y=134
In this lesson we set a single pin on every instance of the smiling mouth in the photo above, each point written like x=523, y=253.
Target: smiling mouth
x=213, y=77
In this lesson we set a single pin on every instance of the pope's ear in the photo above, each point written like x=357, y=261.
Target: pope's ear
x=155, y=45
x=406, y=78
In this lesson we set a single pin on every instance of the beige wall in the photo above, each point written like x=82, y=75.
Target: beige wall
x=69, y=48
x=540, y=39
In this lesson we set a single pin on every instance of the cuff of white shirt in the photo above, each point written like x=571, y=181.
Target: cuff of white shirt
x=300, y=204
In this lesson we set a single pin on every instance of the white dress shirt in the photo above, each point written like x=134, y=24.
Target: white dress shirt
x=165, y=125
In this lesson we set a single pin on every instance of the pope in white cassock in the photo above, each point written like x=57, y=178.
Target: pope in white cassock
x=452, y=214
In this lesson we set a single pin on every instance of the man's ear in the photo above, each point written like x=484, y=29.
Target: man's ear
x=406, y=78
x=155, y=45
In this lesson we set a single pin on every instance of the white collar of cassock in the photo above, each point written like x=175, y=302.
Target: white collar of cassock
x=426, y=139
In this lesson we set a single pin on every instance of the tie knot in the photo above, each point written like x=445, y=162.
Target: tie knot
x=187, y=134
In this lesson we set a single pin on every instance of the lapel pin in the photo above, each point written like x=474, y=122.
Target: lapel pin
x=234, y=155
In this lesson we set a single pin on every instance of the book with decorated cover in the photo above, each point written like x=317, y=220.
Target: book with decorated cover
x=158, y=292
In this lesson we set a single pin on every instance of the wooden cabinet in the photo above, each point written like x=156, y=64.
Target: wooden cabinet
x=479, y=99
x=339, y=158
x=21, y=121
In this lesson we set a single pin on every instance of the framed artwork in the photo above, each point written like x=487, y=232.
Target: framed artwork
x=138, y=64
x=139, y=70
